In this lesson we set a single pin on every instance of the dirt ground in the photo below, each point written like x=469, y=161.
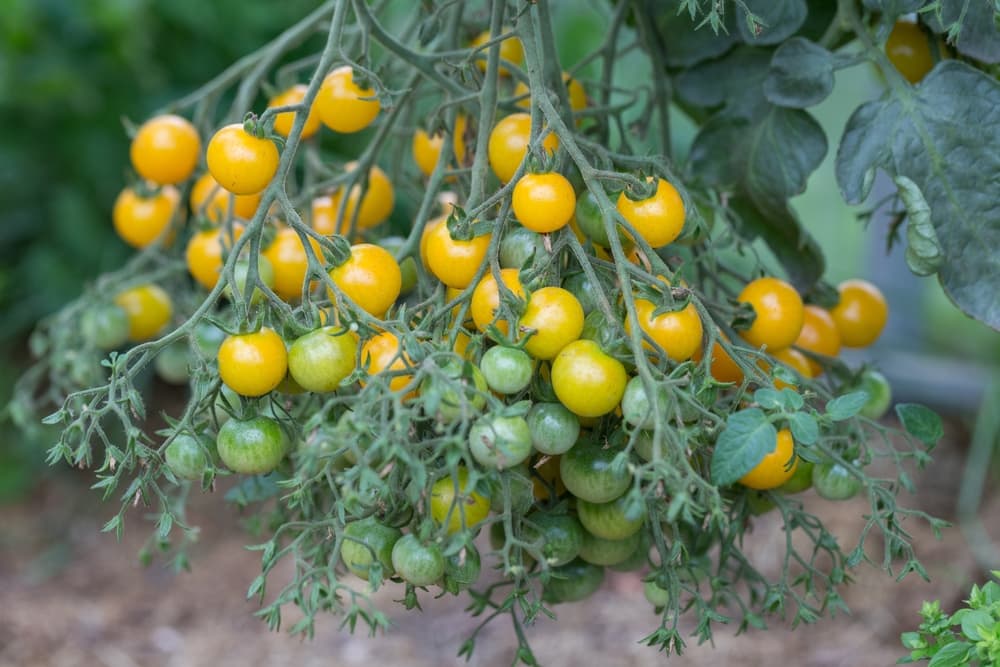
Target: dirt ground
x=72, y=596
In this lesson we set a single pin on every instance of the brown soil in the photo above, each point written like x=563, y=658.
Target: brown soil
x=73, y=596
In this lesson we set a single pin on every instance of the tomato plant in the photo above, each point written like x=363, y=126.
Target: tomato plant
x=517, y=300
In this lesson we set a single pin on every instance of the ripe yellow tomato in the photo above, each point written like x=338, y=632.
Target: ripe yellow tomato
x=511, y=50
x=340, y=104
x=455, y=263
x=795, y=360
x=577, y=96
x=455, y=504
x=555, y=318
x=290, y=262
x=909, y=51
x=678, y=333
x=283, y=121
x=658, y=219
x=371, y=278
x=149, y=309
x=165, y=149
x=252, y=364
x=722, y=366
x=427, y=148
x=208, y=198
x=383, y=353
x=860, y=314
x=545, y=202
x=779, y=312
x=819, y=334
x=509, y=144
x=485, y=301
x=204, y=253
x=240, y=162
x=776, y=468
x=587, y=381
x=141, y=220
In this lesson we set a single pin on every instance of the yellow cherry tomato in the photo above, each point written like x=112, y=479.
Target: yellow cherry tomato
x=455, y=263
x=485, y=302
x=509, y=144
x=427, y=148
x=371, y=278
x=208, y=198
x=554, y=317
x=340, y=104
x=860, y=314
x=204, y=253
x=545, y=202
x=795, y=360
x=775, y=468
x=909, y=51
x=587, y=381
x=383, y=353
x=819, y=334
x=455, y=505
x=240, y=162
x=141, y=220
x=577, y=96
x=678, y=333
x=511, y=50
x=658, y=219
x=779, y=312
x=288, y=257
x=253, y=364
x=283, y=121
x=149, y=309
x=165, y=149
x=722, y=366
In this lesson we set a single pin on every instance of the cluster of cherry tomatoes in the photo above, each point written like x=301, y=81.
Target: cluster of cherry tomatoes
x=496, y=333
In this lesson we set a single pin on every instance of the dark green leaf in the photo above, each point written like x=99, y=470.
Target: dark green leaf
x=690, y=44
x=801, y=74
x=846, y=406
x=793, y=246
x=804, y=428
x=944, y=137
x=780, y=18
x=746, y=440
x=920, y=422
x=951, y=655
x=734, y=79
x=979, y=37
x=923, y=252
x=894, y=7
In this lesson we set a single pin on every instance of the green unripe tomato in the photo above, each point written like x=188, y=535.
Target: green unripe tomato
x=105, y=326
x=500, y=442
x=879, y=391
x=463, y=390
x=517, y=247
x=587, y=473
x=461, y=570
x=599, y=551
x=834, y=482
x=574, y=581
x=800, y=480
x=418, y=564
x=611, y=520
x=561, y=536
x=507, y=370
x=320, y=360
x=637, y=408
x=521, y=489
x=186, y=457
x=366, y=542
x=172, y=363
x=252, y=446
x=241, y=274
x=585, y=291
x=656, y=596
x=554, y=429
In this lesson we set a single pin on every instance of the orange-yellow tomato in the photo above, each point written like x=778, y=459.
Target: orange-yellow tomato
x=779, y=312
x=659, y=218
x=860, y=314
x=722, y=366
x=545, y=202
x=141, y=220
x=253, y=364
x=149, y=309
x=165, y=149
x=383, y=353
x=371, y=278
x=819, y=335
x=283, y=121
x=340, y=102
x=678, y=333
x=509, y=144
x=208, y=198
x=204, y=253
x=775, y=468
x=288, y=257
x=453, y=262
x=574, y=89
x=554, y=317
x=427, y=148
x=240, y=162
x=485, y=302
x=909, y=51
x=795, y=360
x=511, y=50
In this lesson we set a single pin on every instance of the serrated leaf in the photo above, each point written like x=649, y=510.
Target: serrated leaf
x=944, y=136
x=780, y=18
x=746, y=440
x=951, y=655
x=767, y=398
x=922, y=423
x=846, y=406
x=801, y=74
x=979, y=37
x=804, y=428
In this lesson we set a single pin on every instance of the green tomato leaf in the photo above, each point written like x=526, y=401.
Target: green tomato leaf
x=944, y=136
x=769, y=399
x=776, y=20
x=693, y=42
x=746, y=440
x=973, y=620
x=923, y=251
x=804, y=428
x=734, y=79
x=894, y=7
x=978, y=34
x=951, y=655
x=846, y=406
x=801, y=74
x=792, y=399
x=920, y=422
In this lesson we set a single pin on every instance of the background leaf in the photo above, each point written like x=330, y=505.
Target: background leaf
x=801, y=74
x=922, y=423
x=846, y=406
x=979, y=37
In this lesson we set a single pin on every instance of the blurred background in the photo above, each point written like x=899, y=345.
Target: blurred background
x=70, y=72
